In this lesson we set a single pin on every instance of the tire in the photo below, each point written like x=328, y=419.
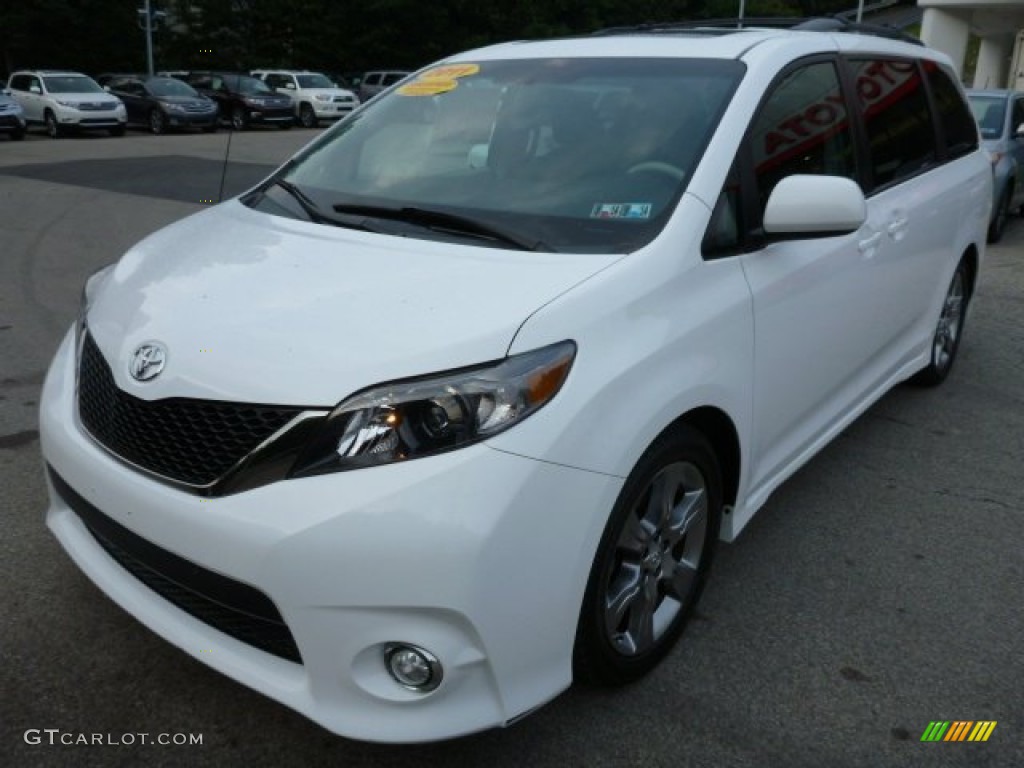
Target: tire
x=307, y=117
x=652, y=562
x=998, y=225
x=239, y=120
x=118, y=131
x=157, y=121
x=948, y=331
x=53, y=129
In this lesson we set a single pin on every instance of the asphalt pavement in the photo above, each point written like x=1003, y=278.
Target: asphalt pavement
x=880, y=589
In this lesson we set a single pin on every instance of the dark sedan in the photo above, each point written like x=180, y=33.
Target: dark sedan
x=160, y=103
x=244, y=100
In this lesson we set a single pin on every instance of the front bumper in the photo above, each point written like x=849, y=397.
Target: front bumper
x=191, y=119
x=91, y=119
x=332, y=110
x=479, y=556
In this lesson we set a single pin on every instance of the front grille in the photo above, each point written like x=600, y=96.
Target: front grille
x=105, y=106
x=234, y=608
x=343, y=99
x=197, y=108
x=192, y=441
x=97, y=121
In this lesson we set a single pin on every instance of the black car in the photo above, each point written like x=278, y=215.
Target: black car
x=244, y=100
x=164, y=102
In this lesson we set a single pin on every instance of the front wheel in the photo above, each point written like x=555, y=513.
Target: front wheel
x=950, y=328
x=157, y=121
x=652, y=561
x=239, y=119
x=307, y=117
x=53, y=129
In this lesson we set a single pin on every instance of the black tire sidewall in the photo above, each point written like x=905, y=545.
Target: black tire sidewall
x=595, y=661
x=307, y=117
x=157, y=122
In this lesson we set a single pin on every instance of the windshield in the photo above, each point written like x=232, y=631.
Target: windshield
x=71, y=84
x=585, y=155
x=246, y=85
x=314, y=81
x=990, y=112
x=168, y=86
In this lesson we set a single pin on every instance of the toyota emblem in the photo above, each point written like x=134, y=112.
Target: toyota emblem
x=147, y=361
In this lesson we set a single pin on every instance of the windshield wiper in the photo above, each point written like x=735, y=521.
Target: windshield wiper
x=442, y=221
x=314, y=212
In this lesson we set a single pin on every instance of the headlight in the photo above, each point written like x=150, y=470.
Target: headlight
x=67, y=104
x=322, y=97
x=412, y=419
x=172, y=107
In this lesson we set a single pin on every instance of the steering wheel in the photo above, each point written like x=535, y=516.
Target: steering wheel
x=656, y=166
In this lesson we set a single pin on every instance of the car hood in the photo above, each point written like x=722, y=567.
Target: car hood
x=86, y=98
x=257, y=308
x=330, y=92
x=185, y=100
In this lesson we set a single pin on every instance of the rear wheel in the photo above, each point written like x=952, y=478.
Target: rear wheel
x=157, y=121
x=950, y=328
x=652, y=561
x=53, y=129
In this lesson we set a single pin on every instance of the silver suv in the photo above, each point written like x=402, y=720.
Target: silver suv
x=375, y=82
x=316, y=97
x=63, y=101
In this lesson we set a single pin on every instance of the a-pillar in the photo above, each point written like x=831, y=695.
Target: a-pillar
x=947, y=33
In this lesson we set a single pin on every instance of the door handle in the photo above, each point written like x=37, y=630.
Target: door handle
x=897, y=226
x=869, y=243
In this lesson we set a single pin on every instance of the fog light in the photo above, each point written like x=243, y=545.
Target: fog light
x=412, y=667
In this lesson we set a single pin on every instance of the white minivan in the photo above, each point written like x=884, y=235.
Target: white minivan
x=453, y=408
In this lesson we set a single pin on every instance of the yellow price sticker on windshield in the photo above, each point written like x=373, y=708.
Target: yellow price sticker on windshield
x=450, y=72
x=427, y=87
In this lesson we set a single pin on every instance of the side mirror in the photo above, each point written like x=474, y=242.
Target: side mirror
x=5, y=91
x=290, y=86
x=35, y=89
x=106, y=88
x=1019, y=133
x=802, y=205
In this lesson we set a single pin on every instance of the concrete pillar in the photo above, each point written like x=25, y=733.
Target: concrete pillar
x=993, y=62
x=947, y=33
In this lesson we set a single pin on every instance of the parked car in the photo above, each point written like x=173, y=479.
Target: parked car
x=1000, y=115
x=453, y=408
x=243, y=99
x=160, y=103
x=315, y=97
x=63, y=101
x=373, y=83
x=12, y=117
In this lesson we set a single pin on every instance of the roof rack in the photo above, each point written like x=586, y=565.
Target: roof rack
x=817, y=24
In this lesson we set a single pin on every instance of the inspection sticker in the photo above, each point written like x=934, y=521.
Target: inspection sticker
x=450, y=72
x=621, y=211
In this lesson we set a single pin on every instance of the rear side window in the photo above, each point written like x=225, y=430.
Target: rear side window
x=901, y=136
x=20, y=82
x=959, y=130
x=803, y=127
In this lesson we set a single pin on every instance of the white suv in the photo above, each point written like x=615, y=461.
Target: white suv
x=316, y=97
x=454, y=407
x=63, y=101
